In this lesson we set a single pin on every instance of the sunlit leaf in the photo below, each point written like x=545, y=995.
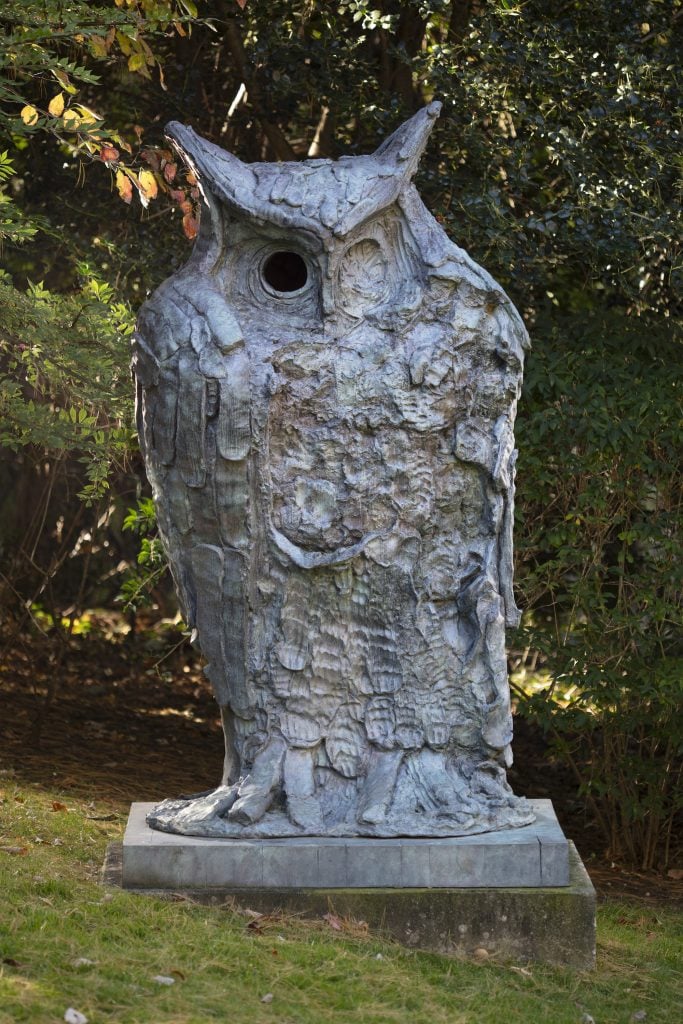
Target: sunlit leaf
x=64, y=81
x=87, y=115
x=137, y=62
x=71, y=120
x=29, y=114
x=109, y=153
x=148, y=184
x=124, y=186
x=56, y=105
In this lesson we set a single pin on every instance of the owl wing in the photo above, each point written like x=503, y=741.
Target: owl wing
x=193, y=415
x=484, y=338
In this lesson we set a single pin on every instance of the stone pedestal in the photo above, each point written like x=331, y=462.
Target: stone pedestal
x=536, y=855
x=522, y=894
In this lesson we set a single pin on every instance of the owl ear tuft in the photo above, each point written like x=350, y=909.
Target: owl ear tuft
x=401, y=152
x=216, y=170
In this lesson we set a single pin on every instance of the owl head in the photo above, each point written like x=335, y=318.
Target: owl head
x=317, y=243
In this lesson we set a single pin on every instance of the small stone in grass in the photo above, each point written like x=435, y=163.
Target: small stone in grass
x=267, y=998
x=75, y=1017
x=83, y=961
x=639, y=1015
x=480, y=953
x=587, y=1019
x=163, y=979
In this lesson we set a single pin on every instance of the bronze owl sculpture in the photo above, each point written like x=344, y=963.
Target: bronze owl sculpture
x=326, y=395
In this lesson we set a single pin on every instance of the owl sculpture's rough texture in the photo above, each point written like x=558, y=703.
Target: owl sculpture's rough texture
x=326, y=395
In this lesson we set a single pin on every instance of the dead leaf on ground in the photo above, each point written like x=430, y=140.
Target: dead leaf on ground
x=267, y=998
x=676, y=874
x=523, y=971
x=17, y=851
x=333, y=921
x=10, y=961
x=57, y=806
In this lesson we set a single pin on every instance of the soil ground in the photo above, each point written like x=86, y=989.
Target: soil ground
x=134, y=719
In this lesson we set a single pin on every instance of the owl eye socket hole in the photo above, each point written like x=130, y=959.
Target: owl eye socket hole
x=285, y=271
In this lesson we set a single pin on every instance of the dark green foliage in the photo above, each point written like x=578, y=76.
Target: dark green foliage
x=599, y=541
x=554, y=163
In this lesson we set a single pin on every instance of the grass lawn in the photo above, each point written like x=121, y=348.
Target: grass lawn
x=67, y=942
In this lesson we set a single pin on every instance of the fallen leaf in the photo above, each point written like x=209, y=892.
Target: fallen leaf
x=75, y=1017
x=84, y=961
x=10, y=961
x=523, y=971
x=56, y=105
x=19, y=800
x=17, y=851
x=101, y=817
x=177, y=973
x=163, y=979
x=639, y=1015
x=58, y=842
x=29, y=115
x=333, y=921
x=267, y=998
x=56, y=806
x=676, y=874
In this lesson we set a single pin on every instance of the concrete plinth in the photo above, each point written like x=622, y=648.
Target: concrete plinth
x=545, y=925
x=534, y=856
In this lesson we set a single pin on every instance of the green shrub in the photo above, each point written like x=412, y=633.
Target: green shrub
x=599, y=544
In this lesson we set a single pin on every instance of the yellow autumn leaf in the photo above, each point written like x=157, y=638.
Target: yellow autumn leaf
x=29, y=115
x=56, y=105
x=124, y=186
x=87, y=115
x=148, y=184
x=71, y=120
x=63, y=80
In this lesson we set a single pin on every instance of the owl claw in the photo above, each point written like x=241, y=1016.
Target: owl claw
x=257, y=789
x=191, y=816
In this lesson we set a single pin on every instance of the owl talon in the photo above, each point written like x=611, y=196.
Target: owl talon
x=257, y=789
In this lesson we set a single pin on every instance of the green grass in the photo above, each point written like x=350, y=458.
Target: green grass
x=53, y=911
